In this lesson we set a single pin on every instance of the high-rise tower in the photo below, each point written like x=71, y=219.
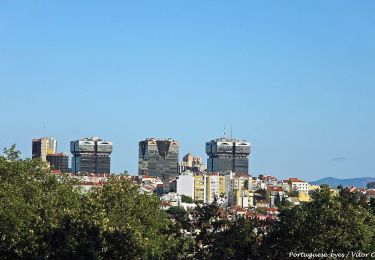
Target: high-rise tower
x=158, y=158
x=91, y=155
x=226, y=154
x=43, y=146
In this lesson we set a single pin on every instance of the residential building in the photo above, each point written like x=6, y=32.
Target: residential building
x=150, y=184
x=263, y=204
x=215, y=187
x=296, y=184
x=185, y=184
x=268, y=180
x=238, y=190
x=273, y=193
x=169, y=186
x=200, y=187
x=228, y=155
x=191, y=163
x=158, y=158
x=304, y=196
x=285, y=185
x=91, y=155
x=41, y=147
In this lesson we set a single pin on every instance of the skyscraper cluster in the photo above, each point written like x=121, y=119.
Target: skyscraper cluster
x=157, y=157
x=90, y=155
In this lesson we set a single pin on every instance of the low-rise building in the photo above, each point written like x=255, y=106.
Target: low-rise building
x=303, y=196
x=298, y=185
x=238, y=190
x=273, y=193
x=262, y=204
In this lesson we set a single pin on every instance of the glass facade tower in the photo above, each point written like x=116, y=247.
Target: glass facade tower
x=228, y=155
x=158, y=158
x=91, y=155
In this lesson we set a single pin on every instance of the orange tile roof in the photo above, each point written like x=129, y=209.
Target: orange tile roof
x=272, y=188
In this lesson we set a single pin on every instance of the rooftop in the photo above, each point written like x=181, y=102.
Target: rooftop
x=225, y=139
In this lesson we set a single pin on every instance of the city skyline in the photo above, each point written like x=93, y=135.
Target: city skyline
x=180, y=156
x=295, y=79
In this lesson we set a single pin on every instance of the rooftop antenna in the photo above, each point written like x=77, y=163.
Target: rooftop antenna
x=231, y=133
x=224, y=131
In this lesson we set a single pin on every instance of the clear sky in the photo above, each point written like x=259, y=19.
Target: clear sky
x=295, y=78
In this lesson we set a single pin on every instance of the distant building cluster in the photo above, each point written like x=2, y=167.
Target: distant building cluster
x=225, y=179
x=157, y=158
x=230, y=189
x=191, y=163
x=46, y=149
x=90, y=155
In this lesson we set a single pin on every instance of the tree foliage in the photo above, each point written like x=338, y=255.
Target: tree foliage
x=43, y=216
x=186, y=199
x=241, y=240
x=11, y=154
x=281, y=201
x=326, y=224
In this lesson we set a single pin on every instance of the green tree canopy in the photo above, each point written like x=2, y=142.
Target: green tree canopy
x=328, y=223
x=186, y=199
x=11, y=154
x=44, y=216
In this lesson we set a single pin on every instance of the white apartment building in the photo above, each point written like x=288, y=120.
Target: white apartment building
x=185, y=184
x=298, y=185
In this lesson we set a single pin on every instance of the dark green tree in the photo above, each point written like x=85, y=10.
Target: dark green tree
x=246, y=185
x=132, y=224
x=205, y=222
x=278, y=200
x=181, y=216
x=48, y=217
x=241, y=240
x=372, y=205
x=328, y=223
x=186, y=199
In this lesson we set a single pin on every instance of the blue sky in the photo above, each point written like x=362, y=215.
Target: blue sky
x=295, y=78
